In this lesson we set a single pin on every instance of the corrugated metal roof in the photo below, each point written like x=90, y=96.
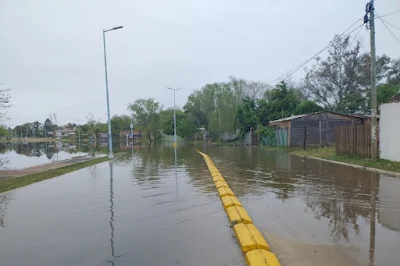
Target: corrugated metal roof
x=290, y=118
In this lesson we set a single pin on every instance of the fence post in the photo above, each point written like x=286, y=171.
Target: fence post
x=305, y=138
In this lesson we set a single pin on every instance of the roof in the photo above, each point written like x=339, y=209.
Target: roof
x=293, y=117
x=290, y=118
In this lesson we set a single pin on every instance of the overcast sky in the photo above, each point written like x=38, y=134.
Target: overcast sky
x=51, y=51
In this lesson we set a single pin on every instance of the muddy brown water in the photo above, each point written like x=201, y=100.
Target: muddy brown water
x=144, y=209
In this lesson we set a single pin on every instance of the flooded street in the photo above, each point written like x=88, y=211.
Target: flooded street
x=15, y=156
x=143, y=209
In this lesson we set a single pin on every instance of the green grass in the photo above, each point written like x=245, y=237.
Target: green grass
x=13, y=183
x=330, y=154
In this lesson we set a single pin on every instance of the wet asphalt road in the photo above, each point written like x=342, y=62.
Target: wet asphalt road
x=144, y=209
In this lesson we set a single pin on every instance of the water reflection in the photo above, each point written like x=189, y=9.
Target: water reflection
x=166, y=198
x=21, y=155
x=112, y=214
x=349, y=201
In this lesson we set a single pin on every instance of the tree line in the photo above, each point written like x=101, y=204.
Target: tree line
x=340, y=82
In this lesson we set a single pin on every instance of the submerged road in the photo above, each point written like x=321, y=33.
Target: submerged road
x=145, y=209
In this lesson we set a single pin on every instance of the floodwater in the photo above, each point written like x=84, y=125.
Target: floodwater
x=145, y=209
x=14, y=156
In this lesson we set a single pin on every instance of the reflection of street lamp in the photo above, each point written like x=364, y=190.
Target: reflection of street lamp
x=112, y=214
x=79, y=134
x=174, y=116
x=110, y=155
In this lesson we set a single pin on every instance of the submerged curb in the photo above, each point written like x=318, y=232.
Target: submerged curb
x=371, y=169
x=252, y=243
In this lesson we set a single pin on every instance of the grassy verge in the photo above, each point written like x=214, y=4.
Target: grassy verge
x=12, y=183
x=330, y=154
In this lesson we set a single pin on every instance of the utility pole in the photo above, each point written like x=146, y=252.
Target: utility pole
x=370, y=8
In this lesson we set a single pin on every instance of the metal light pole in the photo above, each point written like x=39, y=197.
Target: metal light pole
x=110, y=155
x=174, y=116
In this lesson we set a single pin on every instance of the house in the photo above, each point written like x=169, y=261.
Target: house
x=65, y=132
x=316, y=129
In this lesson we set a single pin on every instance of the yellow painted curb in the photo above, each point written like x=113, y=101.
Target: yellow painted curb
x=216, y=174
x=225, y=191
x=251, y=241
x=220, y=183
x=260, y=257
x=237, y=214
x=249, y=237
x=229, y=201
x=218, y=178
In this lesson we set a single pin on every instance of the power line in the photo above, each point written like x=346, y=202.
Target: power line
x=294, y=70
x=384, y=24
x=289, y=73
x=388, y=14
x=355, y=36
x=391, y=24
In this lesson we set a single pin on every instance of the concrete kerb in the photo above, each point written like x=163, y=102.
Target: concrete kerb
x=374, y=170
x=252, y=243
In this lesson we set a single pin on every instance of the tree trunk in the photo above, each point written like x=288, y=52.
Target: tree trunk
x=149, y=136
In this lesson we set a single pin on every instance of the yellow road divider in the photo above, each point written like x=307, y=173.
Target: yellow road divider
x=251, y=241
x=249, y=237
x=218, y=178
x=225, y=191
x=220, y=183
x=260, y=257
x=229, y=201
x=237, y=214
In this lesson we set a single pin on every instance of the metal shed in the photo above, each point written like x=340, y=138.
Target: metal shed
x=316, y=129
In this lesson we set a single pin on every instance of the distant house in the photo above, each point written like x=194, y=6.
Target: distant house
x=65, y=132
x=316, y=129
x=126, y=134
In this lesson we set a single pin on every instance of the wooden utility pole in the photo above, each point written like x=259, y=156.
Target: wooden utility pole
x=370, y=8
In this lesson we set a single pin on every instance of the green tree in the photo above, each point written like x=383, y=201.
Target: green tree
x=334, y=83
x=185, y=127
x=3, y=131
x=385, y=92
x=283, y=101
x=120, y=123
x=247, y=116
x=145, y=113
x=393, y=73
x=307, y=107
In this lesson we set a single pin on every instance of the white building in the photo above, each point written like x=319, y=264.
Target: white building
x=389, y=131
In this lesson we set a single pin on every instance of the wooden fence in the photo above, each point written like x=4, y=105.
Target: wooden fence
x=353, y=140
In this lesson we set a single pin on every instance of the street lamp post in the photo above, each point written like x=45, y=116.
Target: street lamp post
x=174, y=115
x=110, y=155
